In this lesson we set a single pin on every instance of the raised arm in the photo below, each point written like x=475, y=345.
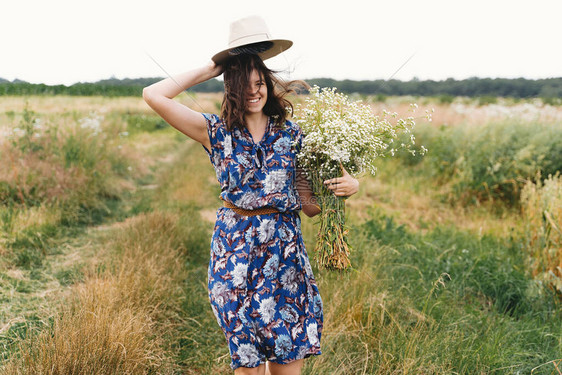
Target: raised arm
x=160, y=97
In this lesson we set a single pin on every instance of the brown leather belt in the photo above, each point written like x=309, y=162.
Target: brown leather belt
x=257, y=211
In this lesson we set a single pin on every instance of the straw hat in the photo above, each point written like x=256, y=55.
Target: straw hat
x=251, y=35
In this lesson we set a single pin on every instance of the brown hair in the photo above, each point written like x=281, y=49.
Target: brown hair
x=236, y=79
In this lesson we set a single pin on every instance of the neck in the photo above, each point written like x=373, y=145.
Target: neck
x=255, y=121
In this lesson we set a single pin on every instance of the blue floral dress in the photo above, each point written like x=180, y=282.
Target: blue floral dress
x=261, y=286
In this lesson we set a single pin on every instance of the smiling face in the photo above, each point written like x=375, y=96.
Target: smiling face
x=249, y=90
x=256, y=93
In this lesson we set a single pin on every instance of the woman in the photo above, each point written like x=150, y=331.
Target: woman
x=261, y=286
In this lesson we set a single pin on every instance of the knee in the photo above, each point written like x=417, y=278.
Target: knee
x=291, y=368
x=260, y=370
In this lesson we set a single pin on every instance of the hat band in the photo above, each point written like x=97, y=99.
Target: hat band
x=252, y=37
x=251, y=49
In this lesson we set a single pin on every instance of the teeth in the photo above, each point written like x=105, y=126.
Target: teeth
x=254, y=100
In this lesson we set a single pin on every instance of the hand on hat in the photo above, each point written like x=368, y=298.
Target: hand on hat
x=216, y=70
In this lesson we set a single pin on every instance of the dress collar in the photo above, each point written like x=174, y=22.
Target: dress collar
x=265, y=134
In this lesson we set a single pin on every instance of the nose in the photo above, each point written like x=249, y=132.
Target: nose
x=253, y=89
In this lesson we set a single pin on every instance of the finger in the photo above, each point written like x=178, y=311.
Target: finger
x=343, y=171
x=331, y=181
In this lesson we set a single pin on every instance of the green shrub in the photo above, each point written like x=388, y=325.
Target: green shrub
x=380, y=98
x=445, y=99
x=137, y=123
x=489, y=161
x=554, y=101
x=487, y=99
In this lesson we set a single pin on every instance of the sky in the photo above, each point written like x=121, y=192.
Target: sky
x=69, y=41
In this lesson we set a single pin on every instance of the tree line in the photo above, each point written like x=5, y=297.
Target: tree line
x=471, y=87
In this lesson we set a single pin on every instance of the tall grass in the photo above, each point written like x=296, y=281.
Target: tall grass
x=57, y=175
x=488, y=162
x=542, y=206
x=117, y=320
x=447, y=302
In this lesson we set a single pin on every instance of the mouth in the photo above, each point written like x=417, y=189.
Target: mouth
x=253, y=101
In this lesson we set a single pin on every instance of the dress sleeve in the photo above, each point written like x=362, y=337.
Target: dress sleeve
x=212, y=121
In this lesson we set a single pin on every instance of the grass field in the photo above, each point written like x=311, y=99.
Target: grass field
x=106, y=216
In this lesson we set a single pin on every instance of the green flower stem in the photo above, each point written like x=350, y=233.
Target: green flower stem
x=332, y=246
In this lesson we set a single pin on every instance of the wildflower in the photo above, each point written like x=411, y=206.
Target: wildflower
x=342, y=133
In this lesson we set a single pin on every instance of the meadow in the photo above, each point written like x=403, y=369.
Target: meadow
x=106, y=215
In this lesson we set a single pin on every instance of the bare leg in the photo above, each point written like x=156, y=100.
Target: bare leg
x=292, y=368
x=260, y=370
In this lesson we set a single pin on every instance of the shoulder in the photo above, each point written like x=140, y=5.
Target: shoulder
x=216, y=128
x=214, y=122
x=211, y=118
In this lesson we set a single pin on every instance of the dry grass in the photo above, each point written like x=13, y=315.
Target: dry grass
x=194, y=181
x=381, y=334
x=115, y=321
x=416, y=203
x=461, y=112
x=121, y=318
x=542, y=208
x=62, y=104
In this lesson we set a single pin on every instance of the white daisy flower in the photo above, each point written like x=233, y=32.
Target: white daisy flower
x=248, y=200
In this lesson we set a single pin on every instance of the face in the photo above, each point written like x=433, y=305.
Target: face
x=256, y=94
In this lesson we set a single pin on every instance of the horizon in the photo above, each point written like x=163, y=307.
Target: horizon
x=2, y=79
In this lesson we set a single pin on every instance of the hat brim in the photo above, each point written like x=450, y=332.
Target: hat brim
x=279, y=45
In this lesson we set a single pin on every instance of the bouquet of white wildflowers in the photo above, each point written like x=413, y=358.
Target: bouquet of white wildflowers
x=339, y=132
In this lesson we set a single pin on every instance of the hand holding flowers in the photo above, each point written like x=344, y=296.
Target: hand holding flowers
x=343, y=186
x=341, y=137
